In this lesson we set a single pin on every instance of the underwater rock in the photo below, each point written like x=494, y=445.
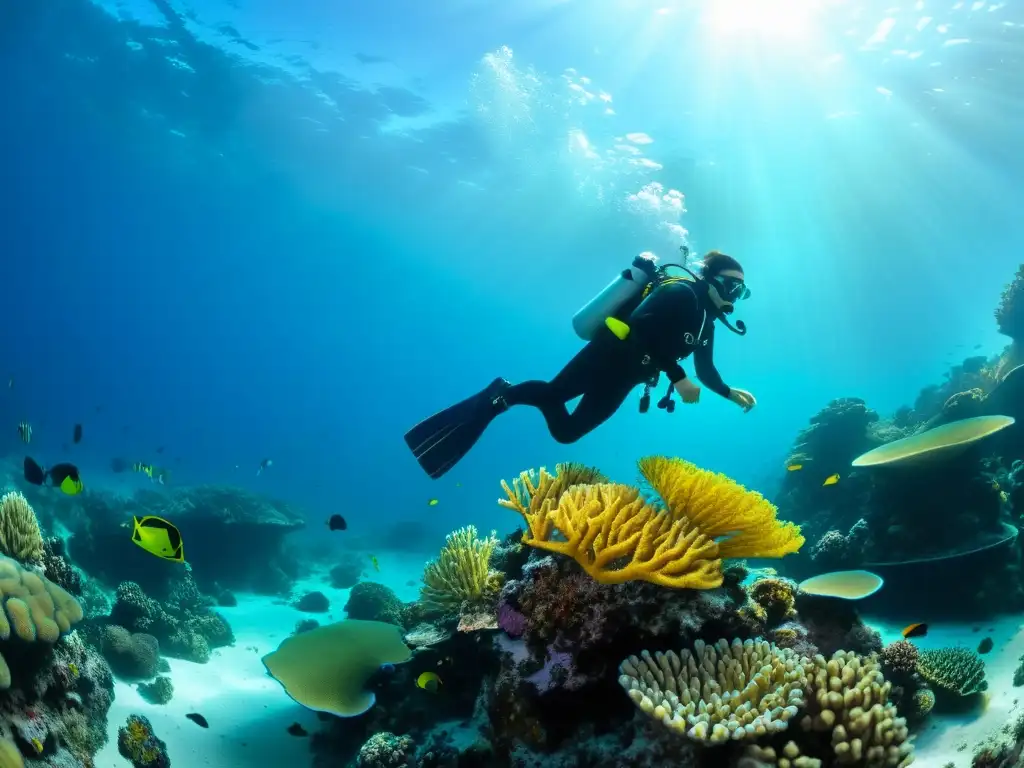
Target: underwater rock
x=313, y=602
x=372, y=601
x=346, y=573
x=226, y=599
x=137, y=744
x=232, y=538
x=160, y=691
x=305, y=625
x=58, y=567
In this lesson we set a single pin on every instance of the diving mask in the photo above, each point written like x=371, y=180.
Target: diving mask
x=731, y=289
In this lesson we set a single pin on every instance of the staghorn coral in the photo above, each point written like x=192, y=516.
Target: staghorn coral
x=718, y=692
x=20, y=536
x=604, y=524
x=956, y=670
x=460, y=579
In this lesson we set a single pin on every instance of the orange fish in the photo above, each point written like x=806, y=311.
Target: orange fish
x=914, y=630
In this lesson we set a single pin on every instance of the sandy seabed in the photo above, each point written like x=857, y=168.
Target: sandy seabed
x=247, y=710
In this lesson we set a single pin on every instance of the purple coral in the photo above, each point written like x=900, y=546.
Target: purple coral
x=558, y=672
x=511, y=620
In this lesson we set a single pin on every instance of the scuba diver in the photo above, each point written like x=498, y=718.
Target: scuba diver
x=640, y=326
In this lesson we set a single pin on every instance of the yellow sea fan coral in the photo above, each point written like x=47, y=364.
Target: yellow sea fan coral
x=461, y=576
x=20, y=536
x=718, y=692
x=617, y=536
x=535, y=495
x=719, y=506
x=610, y=531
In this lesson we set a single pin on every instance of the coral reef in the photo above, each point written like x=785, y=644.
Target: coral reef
x=160, y=691
x=58, y=567
x=140, y=746
x=132, y=656
x=718, y=692
x=184, y=625
x=900, y=658
x=313, y=602
x=680, y=546
x=460, y=580
x=959, y=671
x=347, y=573
x=20, y=536
x=371, y=601
x=385, y=750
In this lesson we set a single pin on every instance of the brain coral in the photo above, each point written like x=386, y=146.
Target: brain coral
x=20, y=536
x=35, y=609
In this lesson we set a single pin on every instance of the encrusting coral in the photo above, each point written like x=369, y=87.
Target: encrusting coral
x=703, y=517
x=718, y=692
x=956, y=670
x=461, y=576
x=20, y=536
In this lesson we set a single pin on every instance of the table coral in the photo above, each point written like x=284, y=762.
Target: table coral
x=960, y=671
x=616, y=535
x=718, y=692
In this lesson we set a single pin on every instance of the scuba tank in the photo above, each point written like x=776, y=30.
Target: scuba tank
x=627, y=286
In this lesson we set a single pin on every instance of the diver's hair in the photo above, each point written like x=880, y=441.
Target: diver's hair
x=716, y=262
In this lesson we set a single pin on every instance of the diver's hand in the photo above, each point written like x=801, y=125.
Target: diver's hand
x=743, y=399
x=688, y=391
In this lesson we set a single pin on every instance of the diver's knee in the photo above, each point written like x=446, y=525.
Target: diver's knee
x=566, y=438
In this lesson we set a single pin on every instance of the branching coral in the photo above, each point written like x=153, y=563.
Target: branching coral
x=617, y=536
x=20, y=536
x=461, y=577
x=718, y=692
x=900, y=657
x=957, y=670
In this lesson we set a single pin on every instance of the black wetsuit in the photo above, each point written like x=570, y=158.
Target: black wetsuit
x=674, y=321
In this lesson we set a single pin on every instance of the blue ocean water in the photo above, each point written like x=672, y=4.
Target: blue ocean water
x=243, y=230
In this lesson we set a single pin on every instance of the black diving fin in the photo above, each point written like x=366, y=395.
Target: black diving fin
x=441, y=441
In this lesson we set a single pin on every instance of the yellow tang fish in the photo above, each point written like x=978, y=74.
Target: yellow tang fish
x=831, y=479
x=158, y=537
x=428, y=681
x=794, y=467
x=432, y=503
x=376, y=565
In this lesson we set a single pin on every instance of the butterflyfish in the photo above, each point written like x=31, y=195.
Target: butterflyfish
x=985, y=646
x=432, y=503
x=77, y=435
x=831, y=479
x=158, y=537
x=146, y=469
x=198, y=719
x=376, y=565
x=794, y=467
x=337, y=523
x=265, y=464
x=428, y=681
x=25, y=432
